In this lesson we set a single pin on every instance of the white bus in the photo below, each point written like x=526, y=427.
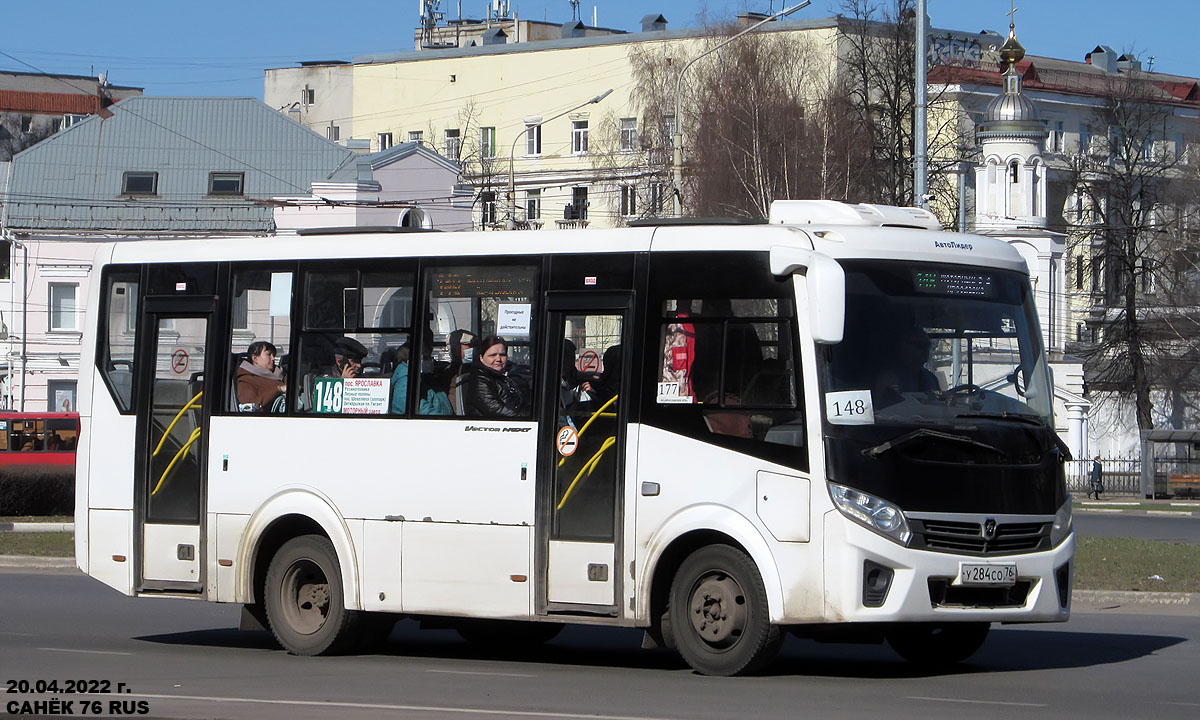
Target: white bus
x=836, y=424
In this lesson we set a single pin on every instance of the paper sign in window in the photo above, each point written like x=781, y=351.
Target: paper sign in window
x=513, y=320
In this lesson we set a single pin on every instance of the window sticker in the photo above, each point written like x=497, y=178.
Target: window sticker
x=668, y=394
x=352, y=396
x=851, y=407
x=514, y=320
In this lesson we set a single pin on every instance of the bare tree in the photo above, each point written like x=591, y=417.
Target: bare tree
x=14, y=138
x=1133, y=222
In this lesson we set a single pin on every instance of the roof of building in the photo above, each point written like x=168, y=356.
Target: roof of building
x=73, y=181
x=60, y=76
x=350, y=171
x=1075, y=78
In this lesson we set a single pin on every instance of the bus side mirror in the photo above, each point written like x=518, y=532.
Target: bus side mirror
x=826, y=289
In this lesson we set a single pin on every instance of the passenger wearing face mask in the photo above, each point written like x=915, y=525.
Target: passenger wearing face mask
x=462, y=353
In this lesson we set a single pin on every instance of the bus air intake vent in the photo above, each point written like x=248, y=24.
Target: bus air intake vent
x=968, y=538
x=944, y=595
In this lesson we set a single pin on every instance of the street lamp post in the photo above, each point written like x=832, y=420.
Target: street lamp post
x=511, y=223
x=677, y=151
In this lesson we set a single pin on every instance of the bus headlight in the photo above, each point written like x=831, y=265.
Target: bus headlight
x=1062, y=524
x=876, y=514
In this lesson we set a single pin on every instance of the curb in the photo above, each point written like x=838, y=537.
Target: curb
x=1131, y=597
x=24, y=527
x=31, y=562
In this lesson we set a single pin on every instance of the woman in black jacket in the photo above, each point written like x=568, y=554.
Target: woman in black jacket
x=496, y=388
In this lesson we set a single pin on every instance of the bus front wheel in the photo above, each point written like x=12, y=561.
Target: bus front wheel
x=303, y=598
x=934, y=645
x=719, y=617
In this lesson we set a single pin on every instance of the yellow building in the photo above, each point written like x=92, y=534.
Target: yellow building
x=598, y=165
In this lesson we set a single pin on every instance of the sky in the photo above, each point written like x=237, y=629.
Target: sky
x=219, y=47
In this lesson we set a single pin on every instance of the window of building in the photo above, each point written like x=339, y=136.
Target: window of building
x=466, y=305
x=60, y=397
x=71, y=118
x=629, y=135
x=261, y=309
x=579, y=201
x=1146, y=274
x=226, y=183
x=533, y=139
x=139, y=183
x=62, y=306
x=308, y=96
x=356, y=333
x=384, y=140
x=1054, y=141
x=5, y=259
x=657, y=195
x=487, y=142
x=579, y=136
x=487, y=207
x=1014, y=172
x=1080, y=332
x=415, y=135
x=1079, y=271
x=333, y=132
x=628, y=201
x=452, y=144
x=56, y=124
x=26, y=123
x=533, y=204
x=669, y=132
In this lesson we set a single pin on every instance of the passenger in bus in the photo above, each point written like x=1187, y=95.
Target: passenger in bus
x=905, y=369
x=434, y=402
x=573, y=386
x=608, y=383
x=259, y=383
x=348, y=355
x=451, y=378
x=495, y=387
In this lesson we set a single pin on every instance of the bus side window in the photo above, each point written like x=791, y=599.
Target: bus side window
x=353, y=353
x=466, y=304
x=119, y=316
x=260, y=333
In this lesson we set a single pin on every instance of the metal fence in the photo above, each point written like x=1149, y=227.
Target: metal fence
x=1122, y=476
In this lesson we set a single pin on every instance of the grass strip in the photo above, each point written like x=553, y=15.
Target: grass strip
x=1134, y=564
x=38, y=544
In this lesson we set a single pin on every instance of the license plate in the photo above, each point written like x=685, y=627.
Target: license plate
x=987, y=574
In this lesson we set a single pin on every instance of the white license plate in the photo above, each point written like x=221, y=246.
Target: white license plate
x=987, y=574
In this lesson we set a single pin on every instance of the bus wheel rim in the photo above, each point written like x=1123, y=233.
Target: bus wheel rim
x=305, y=596
x=718, y=610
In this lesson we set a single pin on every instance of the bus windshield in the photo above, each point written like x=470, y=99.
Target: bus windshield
x=932, y=344
x=941, y=370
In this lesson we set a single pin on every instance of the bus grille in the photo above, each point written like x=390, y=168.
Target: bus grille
x=967, y=538
x=943, y=594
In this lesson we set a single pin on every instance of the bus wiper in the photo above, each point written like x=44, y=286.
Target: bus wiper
x=1016, y=417
x=926, y=432
x=1023, y=418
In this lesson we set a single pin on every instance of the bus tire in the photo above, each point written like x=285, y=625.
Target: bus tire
x=303, y=599
x=937, y=645
x=719, y=616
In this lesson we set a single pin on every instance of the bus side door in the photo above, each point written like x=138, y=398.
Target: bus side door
x=582, y=455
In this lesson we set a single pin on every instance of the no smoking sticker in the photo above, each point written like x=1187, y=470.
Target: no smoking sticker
x=179, y=362
x=567, y=441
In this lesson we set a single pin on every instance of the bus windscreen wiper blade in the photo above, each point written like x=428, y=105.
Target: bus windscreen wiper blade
x=1016, y=417
x=927, y=433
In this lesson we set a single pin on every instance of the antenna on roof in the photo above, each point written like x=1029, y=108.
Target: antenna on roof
x=574, y=10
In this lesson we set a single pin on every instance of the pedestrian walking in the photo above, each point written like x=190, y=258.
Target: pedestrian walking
x=1096, y=481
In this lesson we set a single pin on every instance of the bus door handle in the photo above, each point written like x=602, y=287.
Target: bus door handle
x=650, y=489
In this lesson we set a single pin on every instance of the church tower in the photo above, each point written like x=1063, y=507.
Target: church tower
x=1011, y=182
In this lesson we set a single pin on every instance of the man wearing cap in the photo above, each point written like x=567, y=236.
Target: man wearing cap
x=348, y=355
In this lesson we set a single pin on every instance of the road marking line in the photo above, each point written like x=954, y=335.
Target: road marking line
x=1185, y=704
x=410, y=708
x=973, y=702
x=17, y=634
x=1100, y=510
x=469, y=672
x=1169, y=512
x=92, y=652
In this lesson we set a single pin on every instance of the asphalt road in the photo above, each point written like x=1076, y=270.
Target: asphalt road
x=1182, y=529
x=182, y=659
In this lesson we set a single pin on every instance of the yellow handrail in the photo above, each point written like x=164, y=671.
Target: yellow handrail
x=599, y=413
x=182, y=451
x=188, y=406
x=588, y=467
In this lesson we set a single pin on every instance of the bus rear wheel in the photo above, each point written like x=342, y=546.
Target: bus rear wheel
x=303, y=599
x=719, y=618
x=937, y=645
